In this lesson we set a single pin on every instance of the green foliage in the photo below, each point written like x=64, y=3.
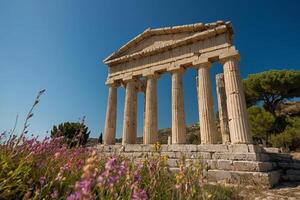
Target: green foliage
x=261, y=122
x=290, y=137
x=48, y=170
x=74, y=134
x=194, y=138
x=272, y=88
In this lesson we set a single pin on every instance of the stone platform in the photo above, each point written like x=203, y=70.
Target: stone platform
x=237, y=164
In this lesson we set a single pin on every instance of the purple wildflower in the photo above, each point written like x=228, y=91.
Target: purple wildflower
x=54, y=194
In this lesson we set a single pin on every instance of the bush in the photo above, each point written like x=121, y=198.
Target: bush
x=74, y=134
x=261, y=122
x=290, y=137
x=48, y=170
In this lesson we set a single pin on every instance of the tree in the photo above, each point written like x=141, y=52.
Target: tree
x=261, y=122
x=100, y=140
x=73, y=133
x=290, y=137
x=272, y=88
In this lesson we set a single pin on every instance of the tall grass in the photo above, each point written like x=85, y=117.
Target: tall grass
x=49, y=169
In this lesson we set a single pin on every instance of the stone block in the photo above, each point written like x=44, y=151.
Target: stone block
x=148, y=147
x=255, y=148
x=293, y=172
x=283, y=165
x=237, y=156
x=264, y=157
x=280, y=157
x=173, y=163
x=291, y=178
x=111, y=148
x=138, y=154
x=262, y=179
x=224, y=164
x=182, y=147
x=238, y=148
x=191, y=147
x=213, y=147
x=201, y=155
x=169, y=154
x=211, y=164
x=252, y=166
x=175, y=147
x=271, y=150
x=133, y=147
x=164, y=147
x=295, y=166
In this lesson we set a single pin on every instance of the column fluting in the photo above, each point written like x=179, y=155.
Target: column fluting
x=178, y=114
x=222, y=108
x=239, y=127
x=206, y=105
x=111, y=114
x=150, y=129
x=130, y=113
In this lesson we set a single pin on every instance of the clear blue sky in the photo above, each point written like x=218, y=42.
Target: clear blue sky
x=59, y=45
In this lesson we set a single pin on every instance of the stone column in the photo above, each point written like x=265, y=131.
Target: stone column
x=236, y=105
x=111, y=114
x=206, y=105
x=178, y=114
x=150, y=134
x=130, y=113
x=222, y=108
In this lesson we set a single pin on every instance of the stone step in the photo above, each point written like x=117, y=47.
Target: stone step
x=292, y=178
x=263, y=179
x=293, y=172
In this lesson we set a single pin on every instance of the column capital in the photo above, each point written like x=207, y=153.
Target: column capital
x=153, y=75
x=112, y=83
x=201, y=62
x=231, y=54
x=176, y=69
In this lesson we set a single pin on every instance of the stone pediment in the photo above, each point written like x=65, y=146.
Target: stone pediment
x=153, y=41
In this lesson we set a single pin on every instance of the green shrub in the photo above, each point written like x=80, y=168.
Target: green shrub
x=261, y=122
x=73, y=133
x=290, y=137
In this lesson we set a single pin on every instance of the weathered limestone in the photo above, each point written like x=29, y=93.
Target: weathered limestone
x=222, y=108
x=244, y=164
x=173, y=49
x=111, y=114
x=237, y=113
x=178, y=114
x=130, y=115
x=150, y=126
x=206, y=107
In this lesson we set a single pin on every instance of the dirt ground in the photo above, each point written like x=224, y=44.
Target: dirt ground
x=286, y=191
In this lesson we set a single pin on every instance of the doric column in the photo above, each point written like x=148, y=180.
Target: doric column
x=111, y=114
x=236, y=105
x=178, y=114
x=130, y=113
x=206, y=105
x=150, y=124
x=222, y=108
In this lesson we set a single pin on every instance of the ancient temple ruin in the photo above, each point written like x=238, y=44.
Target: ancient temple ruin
x=172, y=50
x=137, y=66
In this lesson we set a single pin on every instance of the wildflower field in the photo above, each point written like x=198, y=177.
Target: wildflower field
x=49, y=169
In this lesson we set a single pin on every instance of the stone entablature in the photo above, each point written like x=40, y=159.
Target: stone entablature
x=160, y=50
x=138, y=64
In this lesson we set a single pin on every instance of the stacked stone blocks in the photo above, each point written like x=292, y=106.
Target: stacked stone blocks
x=237, y=163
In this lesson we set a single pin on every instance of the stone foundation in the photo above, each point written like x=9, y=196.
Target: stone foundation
x=238, y=164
